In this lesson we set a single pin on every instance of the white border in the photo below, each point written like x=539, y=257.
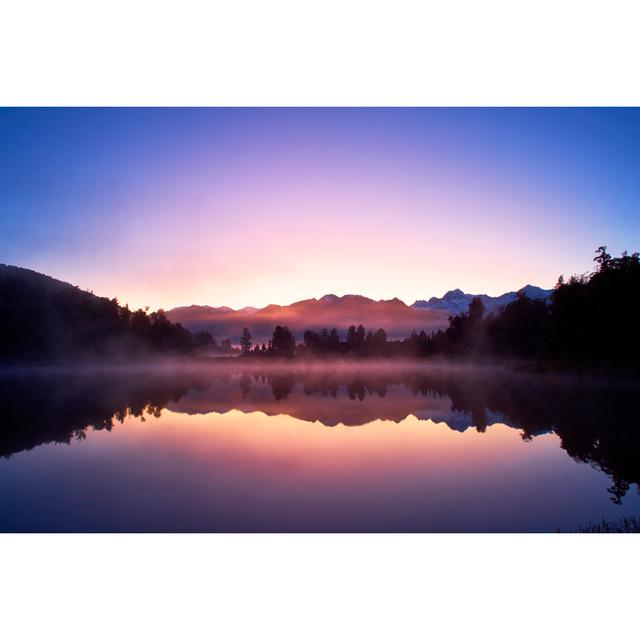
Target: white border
x=335, y=52
x=318, y=53
x=318, y=586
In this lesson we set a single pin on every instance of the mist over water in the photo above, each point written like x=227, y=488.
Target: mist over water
x=332, y=446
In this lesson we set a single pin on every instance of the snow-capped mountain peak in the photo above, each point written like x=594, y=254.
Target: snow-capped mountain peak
x=457, y=301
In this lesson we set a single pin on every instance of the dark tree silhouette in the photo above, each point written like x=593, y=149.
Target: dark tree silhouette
x=245, y=341
x=521, y=329
x=356, y=338
x=594, y=317
x=203, y=339
x=590, y=322
x=282, y=343
x=43, y=319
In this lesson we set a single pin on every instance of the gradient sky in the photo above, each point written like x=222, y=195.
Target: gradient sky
x=167, y=207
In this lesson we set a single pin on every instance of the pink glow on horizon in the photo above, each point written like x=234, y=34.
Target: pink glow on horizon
x=253, y=207
x=254, y=249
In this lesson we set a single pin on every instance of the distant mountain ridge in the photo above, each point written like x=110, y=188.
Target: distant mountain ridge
x=55, y=319
x=457, y=301
x=397, y=318
x=329, y=311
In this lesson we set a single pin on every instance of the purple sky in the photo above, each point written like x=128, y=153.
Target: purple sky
x=166, y=207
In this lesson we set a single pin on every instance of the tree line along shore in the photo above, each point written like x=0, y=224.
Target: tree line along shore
x=590, y=320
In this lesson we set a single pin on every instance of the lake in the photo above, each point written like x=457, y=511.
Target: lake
x=325, y=448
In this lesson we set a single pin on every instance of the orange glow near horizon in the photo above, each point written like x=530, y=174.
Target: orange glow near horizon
x=286, y=446
x=368, y=254
x=250, y=207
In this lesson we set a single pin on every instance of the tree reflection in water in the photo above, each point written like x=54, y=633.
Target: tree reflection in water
x=594, y=419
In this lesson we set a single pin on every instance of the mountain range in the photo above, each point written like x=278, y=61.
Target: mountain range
x=456, y=301
x=61, y=313
x=396, y=317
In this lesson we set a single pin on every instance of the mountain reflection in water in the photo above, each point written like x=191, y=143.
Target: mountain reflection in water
x=594, y=421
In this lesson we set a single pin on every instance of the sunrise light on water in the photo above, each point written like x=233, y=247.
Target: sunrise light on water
x=330, y=319
x=319, y=321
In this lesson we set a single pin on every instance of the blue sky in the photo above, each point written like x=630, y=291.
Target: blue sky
x=163, y=207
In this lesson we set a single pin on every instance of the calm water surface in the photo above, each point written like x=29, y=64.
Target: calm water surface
x=394, y=448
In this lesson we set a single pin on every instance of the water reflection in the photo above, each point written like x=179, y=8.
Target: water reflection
x=595, y=420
